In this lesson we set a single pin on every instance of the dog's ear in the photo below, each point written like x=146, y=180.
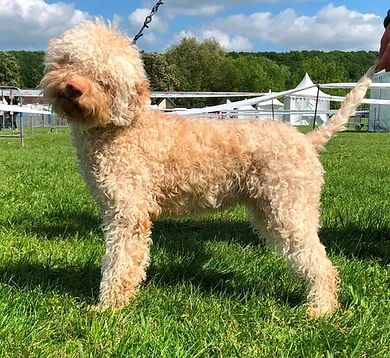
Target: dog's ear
x=136, y=104
x=140, y=100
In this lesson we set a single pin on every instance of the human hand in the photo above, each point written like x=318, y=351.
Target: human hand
x=384, y=52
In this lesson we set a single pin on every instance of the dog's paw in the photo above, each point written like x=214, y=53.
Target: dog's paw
x=99, y=308
x=320, y=311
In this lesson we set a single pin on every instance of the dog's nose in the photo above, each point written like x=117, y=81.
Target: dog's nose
x=74, y=89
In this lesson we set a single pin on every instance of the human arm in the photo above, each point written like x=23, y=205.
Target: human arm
x=384, y=52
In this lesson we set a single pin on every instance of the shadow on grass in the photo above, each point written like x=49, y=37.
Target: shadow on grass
x=186, y=244
x=185, y=239
x=60, y=224
x=352, y=240
x=79, y=282
x=355, y=242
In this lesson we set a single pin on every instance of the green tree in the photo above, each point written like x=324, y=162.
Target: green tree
x=162, y=75
x=198, y=64
x=9, y=70
x=323, y=70
x=253, y=74
x=31, y=67
x=353, y=64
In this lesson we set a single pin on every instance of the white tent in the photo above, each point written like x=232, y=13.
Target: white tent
x=379, y=117
x=305, y=100
x=245, y=111
x=166, y=103
x=269, y=106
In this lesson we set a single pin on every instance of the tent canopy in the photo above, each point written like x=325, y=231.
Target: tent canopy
x=270, y=106
x=271, y=102
x=306, y=82
x=305, y=100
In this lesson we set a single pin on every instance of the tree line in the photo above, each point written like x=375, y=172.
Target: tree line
x=206, y=66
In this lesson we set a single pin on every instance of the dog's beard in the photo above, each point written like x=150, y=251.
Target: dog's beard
x=69, y=108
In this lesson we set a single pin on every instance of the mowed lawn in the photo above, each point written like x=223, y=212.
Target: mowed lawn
x=213, y=288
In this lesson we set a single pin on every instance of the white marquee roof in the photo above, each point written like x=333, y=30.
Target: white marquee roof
x=271, y=102
x=305, y=83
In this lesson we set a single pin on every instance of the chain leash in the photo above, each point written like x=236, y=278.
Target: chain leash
x=147, y=21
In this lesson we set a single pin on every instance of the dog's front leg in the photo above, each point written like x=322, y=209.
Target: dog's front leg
x=126, y=258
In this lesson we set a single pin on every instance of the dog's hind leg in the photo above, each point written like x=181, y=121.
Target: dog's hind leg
x=291, y=228
x=126, y=258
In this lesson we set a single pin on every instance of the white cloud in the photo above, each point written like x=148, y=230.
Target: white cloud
x=138, y=16
x=229, y=43
x=197, y=10
x=172, y=8
x=116, y=20
x=29, y=24
x=150, y=38
x=182, y=34
x=331, y=28
x=203, y=7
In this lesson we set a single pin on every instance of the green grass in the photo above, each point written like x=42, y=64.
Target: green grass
x=213, y=288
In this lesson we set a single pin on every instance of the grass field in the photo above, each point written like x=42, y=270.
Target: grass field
x=213, y=288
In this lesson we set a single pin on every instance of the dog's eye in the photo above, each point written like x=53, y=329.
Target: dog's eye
x=51, y=66
x=104, y=85
x=61, y=62
x=65, y=59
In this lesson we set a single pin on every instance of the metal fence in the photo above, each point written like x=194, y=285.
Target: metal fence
x=11, y=123
x=38, y=116
x=16, y=117
x=50, y=121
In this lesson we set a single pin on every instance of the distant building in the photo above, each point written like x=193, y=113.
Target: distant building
x=379, y=117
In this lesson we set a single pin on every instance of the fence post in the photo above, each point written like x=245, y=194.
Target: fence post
x=21, y=129
x=315, y=112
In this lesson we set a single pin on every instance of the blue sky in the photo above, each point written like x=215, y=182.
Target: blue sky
x=239, y=25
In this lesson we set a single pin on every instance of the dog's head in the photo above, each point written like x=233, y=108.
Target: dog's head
x=95, y=76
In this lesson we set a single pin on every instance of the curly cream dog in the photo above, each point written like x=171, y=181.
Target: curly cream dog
x=141, y=164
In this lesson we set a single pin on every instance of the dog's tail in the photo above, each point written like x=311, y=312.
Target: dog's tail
x=321, y=136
